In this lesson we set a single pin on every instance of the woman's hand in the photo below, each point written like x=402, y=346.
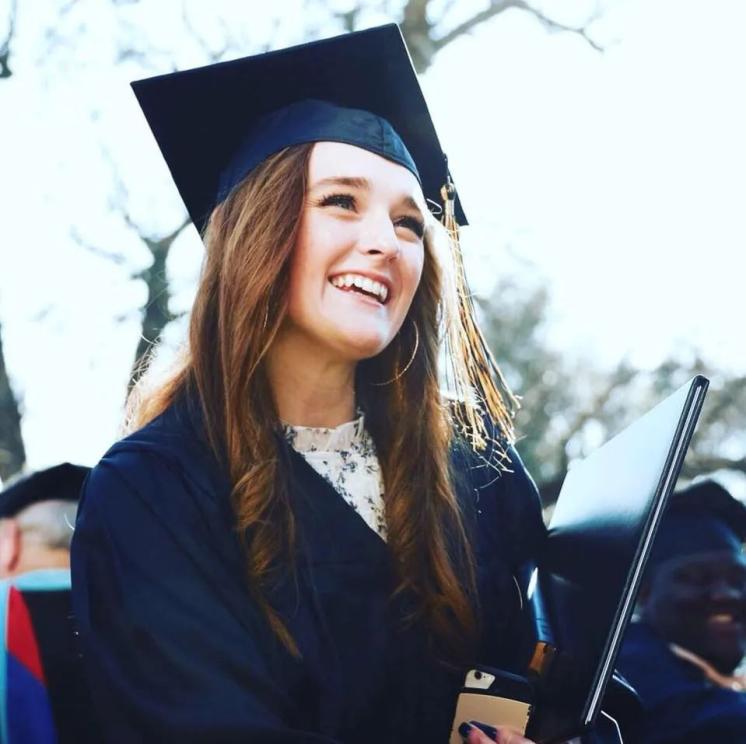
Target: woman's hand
x=480, y=733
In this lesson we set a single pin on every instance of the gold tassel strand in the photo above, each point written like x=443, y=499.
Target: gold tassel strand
x=475, y=370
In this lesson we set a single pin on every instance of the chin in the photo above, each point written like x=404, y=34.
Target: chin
x=360, y=349
x=724, y=657
x=358, y=344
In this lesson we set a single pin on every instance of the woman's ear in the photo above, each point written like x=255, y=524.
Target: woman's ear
x=10, y=546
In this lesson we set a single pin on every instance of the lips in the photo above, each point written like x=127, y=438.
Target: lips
x=720, y=618
x=723, y=620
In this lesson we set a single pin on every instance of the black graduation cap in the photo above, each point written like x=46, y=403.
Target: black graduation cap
x=702, y=517
x=214, y=124
x=61, y=482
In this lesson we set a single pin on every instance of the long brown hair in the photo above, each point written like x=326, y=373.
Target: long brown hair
x=239, y=308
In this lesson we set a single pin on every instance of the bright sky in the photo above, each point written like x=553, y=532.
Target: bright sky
x=621, y=176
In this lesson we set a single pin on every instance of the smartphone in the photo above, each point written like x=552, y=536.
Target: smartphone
x=493, y=697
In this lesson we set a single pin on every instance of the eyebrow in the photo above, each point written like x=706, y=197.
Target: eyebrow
x=364, y=184
x=356, y=183
x=408, y=201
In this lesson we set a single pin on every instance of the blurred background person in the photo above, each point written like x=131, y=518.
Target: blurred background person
x=45, y=698
x=683, y=652
x=36, y=517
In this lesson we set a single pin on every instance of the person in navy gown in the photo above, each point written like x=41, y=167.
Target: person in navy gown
x=683, y=653
x=303, y=539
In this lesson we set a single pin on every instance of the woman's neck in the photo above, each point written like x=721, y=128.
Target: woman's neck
x=310, y=389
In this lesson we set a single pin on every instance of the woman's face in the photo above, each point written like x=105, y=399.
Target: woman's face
x=359, y=255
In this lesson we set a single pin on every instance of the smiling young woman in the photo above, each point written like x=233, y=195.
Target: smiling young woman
x=290, y=342
x=303, y=539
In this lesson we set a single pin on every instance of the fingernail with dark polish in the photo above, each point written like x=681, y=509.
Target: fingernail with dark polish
x=491, y=731
x=464, y=729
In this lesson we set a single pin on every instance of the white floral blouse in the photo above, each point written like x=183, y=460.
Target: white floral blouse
x=346, y=457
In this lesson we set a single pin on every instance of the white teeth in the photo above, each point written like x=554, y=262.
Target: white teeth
x=721, y=618
x=363, y=282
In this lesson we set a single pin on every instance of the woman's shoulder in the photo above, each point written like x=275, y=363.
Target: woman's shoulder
x=166, y=463
x=494, y=480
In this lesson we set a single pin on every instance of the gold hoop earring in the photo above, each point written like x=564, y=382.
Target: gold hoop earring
x=408, y=364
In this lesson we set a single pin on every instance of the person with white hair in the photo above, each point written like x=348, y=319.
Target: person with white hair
x=44, y=698
x=36, y=518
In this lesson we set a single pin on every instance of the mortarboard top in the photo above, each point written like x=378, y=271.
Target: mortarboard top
x=61, y=482
x=201, y=118
x=701, y=518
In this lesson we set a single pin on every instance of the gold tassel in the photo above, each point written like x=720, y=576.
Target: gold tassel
x=478, y=381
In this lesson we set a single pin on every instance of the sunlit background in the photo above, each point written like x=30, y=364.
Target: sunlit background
x=598, y=147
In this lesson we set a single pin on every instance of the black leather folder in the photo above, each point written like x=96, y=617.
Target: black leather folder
x=600, y=536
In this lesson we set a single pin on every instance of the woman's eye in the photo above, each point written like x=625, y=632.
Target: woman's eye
x=345, y=201
x=413, y=224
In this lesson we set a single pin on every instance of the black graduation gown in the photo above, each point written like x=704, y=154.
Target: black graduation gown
x=51, y=618
x=176, y=650
x=679, y=704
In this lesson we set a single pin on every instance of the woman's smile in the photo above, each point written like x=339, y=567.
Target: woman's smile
x=360, y=284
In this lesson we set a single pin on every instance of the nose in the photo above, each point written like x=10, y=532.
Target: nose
x=723, y=590
x=377, y=237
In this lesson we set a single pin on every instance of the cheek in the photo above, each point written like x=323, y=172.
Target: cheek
x=296, y=283
x=309, y=264
x=412, y=272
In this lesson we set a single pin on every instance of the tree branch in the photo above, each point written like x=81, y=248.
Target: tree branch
x=5, y=71
x=500, y=6
x=212, y=56
x=553, y=25
x=621, y=376
x=117, y=258
x=348, y=18
x=177, y=231
x=118, y=203
x=12, y=451
x=494, y=8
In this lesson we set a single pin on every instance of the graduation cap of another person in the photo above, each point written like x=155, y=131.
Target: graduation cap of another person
x=59, y=483
x=214, y=124
x=701, y=518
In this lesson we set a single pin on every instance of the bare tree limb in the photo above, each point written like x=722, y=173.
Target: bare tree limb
x=348, y=18
x=622, y=375
x=211, y=54
x=500, y=6
x=156, y=312
x=5, y=71
x=494, y=8
x=418, y=28
x=553, y=25
x=417, y=31
x=54, y=36
x=177, y=231
x=116, y=258
x=12, y=451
